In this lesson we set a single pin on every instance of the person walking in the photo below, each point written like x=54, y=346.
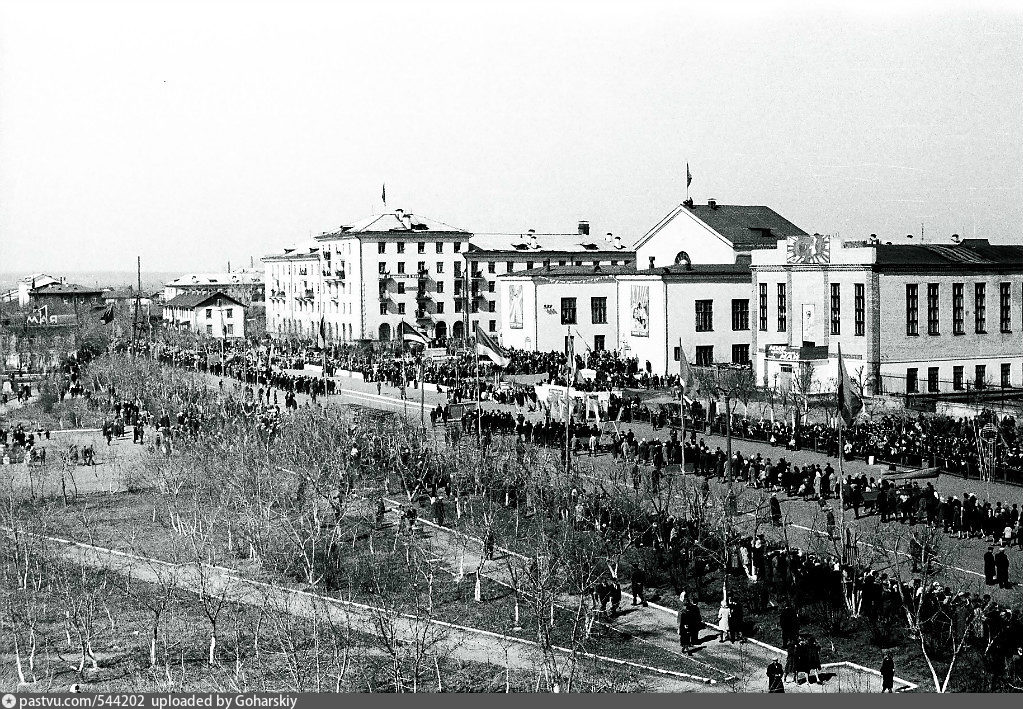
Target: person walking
x=724, y=618
x=775, y=671
x=775, y=510
x=1002, y=569
x=989, y=566
x=638, y=580
x=438, y=511
x=887, y=673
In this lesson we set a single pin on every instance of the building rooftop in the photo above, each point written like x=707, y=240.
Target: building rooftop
x=66, y=289
x=397, y=221
x=744, y=226
x=531, y=241
x=968, y=254
x=239, y=277
x=197, y=300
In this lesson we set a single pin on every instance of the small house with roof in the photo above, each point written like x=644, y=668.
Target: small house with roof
x=215, y=315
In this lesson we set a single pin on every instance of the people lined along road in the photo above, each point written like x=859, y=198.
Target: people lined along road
x=914, y=441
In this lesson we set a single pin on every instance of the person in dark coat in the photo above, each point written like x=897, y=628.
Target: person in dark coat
x=789, y=622
x=775, y=671
x=438, y=511
x=989, y=566
x=887, y=673
x=638, y=583
x=775, y=510
x=1002, y=569
x=694, y=621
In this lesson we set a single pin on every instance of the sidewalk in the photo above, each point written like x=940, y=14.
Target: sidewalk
x=741, y=665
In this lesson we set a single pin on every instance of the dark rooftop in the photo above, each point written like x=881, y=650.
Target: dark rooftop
x=740, y=268
x=195, y=300
x=969, y=254
x=753, y=226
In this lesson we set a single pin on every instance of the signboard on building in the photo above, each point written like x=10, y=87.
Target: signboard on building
x=809, y=249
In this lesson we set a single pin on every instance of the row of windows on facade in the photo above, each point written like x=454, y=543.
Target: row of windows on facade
x=382, y=266
x=228, y=329
x=959, y=382
x=704, y=313
x=489, y=307
x=958, y=308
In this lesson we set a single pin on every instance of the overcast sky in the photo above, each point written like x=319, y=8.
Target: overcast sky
x=191, y=134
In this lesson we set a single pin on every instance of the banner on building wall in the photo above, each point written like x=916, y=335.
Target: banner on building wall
x=640, y=304
x=515, y=306
x=809, y=323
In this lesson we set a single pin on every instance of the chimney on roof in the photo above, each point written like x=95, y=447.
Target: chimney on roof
x=688, y=203
x=584, y=228
x=533, y=243
x=400, y=213
x=712, y=203
x=547, y=264
x=651, y=262
x=956, y=238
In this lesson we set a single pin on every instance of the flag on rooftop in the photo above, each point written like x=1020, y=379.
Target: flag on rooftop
x=485, y=345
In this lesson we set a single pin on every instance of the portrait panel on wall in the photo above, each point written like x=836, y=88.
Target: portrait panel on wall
x=640, y=304
x=515, y=306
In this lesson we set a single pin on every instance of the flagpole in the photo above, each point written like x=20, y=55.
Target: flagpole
x=479, y=409
x=422, y=393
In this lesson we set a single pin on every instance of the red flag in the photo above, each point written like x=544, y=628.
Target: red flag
x=849, y=404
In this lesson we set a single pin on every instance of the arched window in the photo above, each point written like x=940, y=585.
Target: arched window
x=385, y=332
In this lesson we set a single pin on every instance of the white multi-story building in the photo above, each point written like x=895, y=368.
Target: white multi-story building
x=643, y=313
x=915, y=319
x=216, y=315
x=365, y=278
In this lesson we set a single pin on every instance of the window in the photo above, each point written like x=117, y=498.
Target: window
x=440, y=267
x=510, y=267
x=458, y=288
x=860, y=308
x=783, y=309
x=704, y=315
x=401, y=247
x=529, y=264
x=598, y=311
x=1006, y=374
x=704, y=355
x=458, y=246
x=836, y=308
x=763, y=307
x=230, y=313
x=422, y=247
x=932, y=379
x=912, y=385
x=458, y=305
x=440, y=247
x=932, y=309
x=957, y=377
x=492, y=306
x=401, y=287
x=458, y=269
x=420, y=266
x=381, y=247
x=209, y=329
x=209, y=313
x=561, y=263
x=230, y=329
x=491, y=267
x=401, y=267
x=440, y=286
x=740, y=354
x=401, y=308
x=1004, y=307
x=912, y=308
x=440, y=308
x=598, y=343
x=381, y=267
x=979, y=375
x=491, y=286
x=383, y=308
x=492, y=326
x=568, y=311
x=958, y=323
x=980, y=308
x=740, y=314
